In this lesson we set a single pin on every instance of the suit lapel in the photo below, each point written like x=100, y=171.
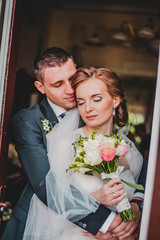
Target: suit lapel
x=48, y=112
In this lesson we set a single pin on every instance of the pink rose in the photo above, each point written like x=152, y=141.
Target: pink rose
x=107, y=153
x=121, y=150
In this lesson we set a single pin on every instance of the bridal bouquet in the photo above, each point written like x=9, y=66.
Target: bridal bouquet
x=100, y=153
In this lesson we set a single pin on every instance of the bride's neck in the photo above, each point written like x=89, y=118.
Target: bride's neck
x=105, y=130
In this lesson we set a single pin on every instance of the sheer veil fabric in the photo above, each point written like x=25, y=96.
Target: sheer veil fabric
x=66, y=198
x=66, y=201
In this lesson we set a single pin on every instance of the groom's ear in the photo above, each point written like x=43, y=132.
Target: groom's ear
x=39, y=86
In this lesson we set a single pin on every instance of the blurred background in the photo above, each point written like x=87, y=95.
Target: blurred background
x=121, y=35
x=118, y=34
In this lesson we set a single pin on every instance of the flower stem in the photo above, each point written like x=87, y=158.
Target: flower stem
x=127, y=215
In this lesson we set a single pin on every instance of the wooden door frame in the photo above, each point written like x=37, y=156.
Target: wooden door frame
x=151, y=212
x=9, y=87
x=154, y=217
x=154, y=221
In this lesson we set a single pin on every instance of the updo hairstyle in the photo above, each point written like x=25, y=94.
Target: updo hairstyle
x=113, y=85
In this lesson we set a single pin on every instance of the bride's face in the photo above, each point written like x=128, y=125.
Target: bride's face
x=95, y=104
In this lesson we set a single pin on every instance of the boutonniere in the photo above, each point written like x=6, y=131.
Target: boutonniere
x=47, y=126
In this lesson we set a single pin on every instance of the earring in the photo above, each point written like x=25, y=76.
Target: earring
x=114, y=112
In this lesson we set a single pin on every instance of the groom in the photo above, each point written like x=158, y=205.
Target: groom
x=52, y=68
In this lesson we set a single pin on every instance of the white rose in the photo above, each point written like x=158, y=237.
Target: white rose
x=109, y=140
x=92, y=150
x=100, y=138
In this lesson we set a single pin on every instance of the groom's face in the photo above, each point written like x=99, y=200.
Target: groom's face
x=56, y=85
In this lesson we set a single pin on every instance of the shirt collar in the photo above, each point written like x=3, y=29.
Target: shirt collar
x=57, y=109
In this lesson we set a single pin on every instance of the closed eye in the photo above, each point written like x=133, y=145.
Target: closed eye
x=80, y=102
x=57, y=84
x=97, y=99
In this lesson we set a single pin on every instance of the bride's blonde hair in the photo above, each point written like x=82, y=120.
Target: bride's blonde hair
x=113, y=84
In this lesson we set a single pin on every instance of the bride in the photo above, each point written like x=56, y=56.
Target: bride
x=101, y=105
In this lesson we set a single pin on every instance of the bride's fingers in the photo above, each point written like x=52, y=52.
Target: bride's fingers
x=113, y=182
x=113, y=198
x=118, y=198
x=118, y=190
x=118, y=193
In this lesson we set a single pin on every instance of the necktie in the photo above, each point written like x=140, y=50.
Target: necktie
x=62, y=115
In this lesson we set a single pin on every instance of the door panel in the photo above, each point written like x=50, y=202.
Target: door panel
x=151, y=211
x=8, y=58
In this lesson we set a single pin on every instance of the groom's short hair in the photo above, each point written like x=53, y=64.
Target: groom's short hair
x=50, y=57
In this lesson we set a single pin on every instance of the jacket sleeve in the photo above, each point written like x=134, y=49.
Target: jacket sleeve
x=31, y=150
x=94, y=221
x=143, y=175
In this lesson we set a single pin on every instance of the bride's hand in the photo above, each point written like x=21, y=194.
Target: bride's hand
x=110, y=193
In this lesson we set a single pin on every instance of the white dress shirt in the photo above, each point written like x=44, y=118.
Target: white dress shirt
x=57, y=109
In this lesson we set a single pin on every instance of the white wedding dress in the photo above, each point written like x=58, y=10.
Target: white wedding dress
x=44, y=223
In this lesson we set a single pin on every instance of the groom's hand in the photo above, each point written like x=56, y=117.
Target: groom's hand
x=100, y=236
x=123, y=230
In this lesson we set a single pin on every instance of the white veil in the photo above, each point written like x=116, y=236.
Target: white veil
x=65, y=200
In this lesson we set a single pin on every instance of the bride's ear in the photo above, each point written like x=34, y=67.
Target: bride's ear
x=116, y=101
